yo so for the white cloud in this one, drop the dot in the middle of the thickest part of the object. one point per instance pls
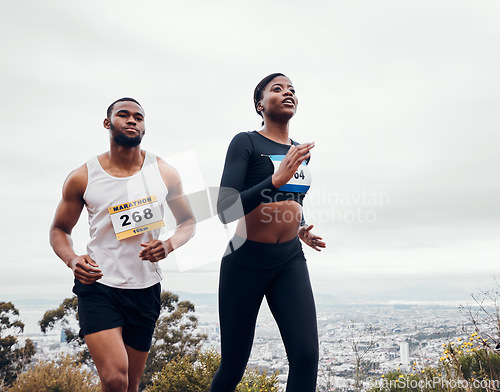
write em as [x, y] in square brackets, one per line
[401, 99]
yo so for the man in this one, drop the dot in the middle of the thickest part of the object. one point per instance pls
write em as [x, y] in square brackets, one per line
[117, 282]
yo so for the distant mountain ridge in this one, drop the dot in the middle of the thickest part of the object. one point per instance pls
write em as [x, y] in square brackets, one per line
[415, 293]
[36, 302]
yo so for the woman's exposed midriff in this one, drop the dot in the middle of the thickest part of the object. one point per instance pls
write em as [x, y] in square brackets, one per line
[271, 222]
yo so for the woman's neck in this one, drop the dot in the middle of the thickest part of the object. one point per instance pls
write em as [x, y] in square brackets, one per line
[276, 131]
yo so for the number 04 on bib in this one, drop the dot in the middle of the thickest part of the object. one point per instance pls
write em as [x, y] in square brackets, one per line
[136, 217]
[300, 181]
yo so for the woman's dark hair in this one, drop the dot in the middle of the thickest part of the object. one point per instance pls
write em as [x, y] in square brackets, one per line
[257, 94]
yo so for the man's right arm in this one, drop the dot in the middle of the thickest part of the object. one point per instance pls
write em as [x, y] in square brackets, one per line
[66, 216]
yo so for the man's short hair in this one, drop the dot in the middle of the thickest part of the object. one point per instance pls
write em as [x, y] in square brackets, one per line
[110, 108]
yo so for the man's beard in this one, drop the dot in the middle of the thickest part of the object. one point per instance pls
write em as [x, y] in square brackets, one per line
[125, 141]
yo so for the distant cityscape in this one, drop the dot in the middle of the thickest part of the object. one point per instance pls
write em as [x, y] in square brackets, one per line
[389, 336]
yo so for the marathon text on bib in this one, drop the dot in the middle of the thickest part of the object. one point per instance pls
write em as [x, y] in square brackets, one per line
[136, 217]
[301, 180]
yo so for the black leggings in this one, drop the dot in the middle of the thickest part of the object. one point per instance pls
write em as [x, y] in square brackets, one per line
[279, 272]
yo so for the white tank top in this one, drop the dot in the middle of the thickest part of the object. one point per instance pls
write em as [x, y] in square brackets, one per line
[124, 206]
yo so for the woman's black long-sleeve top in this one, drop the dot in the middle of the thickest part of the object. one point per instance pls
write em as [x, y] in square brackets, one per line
[246, 180]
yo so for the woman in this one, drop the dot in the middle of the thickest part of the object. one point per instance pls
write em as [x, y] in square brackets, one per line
[264, 181]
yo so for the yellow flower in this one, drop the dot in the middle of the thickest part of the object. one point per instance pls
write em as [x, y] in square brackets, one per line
[459, 339]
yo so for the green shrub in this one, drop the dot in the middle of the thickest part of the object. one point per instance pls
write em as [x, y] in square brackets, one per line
[62, 375]
[466, 365]
[182, 374]
[471, 359]
[255, 381]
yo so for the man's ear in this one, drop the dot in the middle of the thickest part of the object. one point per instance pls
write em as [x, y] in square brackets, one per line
[106, 123]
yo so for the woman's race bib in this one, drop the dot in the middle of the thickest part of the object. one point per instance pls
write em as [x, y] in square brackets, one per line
[301, 180]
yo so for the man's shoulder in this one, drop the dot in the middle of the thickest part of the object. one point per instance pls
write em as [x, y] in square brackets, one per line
[165, 167]
[79, 173]
[168, 173]
[76, 182]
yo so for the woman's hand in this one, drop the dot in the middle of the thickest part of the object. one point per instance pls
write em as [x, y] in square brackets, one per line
[290, 163]
[311, 239]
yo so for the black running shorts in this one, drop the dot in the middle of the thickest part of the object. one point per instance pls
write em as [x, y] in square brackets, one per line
[102, 307]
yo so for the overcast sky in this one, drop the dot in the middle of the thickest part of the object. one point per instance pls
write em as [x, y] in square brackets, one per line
[401, 98]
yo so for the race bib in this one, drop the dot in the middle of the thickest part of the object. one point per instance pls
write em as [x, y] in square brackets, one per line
[301, 180]
[136, 217]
